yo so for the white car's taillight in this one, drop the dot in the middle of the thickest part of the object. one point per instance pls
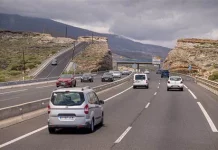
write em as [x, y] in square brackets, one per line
[168, 82]
[49, 109]
[86, 109]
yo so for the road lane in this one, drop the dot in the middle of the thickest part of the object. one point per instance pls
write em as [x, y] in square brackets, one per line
[55, 71]
[36, 93]
[35, 123]
[173, 121]
[119, 113]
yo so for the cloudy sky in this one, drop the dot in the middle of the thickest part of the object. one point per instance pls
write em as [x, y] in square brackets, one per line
[158, 22]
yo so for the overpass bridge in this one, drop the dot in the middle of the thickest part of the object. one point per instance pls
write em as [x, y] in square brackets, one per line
[116, 63]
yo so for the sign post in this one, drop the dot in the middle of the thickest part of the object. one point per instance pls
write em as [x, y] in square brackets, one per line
[74, 68]
[189, 68]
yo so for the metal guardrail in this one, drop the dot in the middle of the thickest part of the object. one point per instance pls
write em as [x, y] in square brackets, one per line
[208, 84]
[21, 109]
[26, 81]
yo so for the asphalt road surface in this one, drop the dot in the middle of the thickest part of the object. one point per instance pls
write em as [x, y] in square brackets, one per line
[63, 60]
[15, 96]
[135, 119]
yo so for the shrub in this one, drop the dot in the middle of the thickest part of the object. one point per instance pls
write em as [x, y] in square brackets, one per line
[30, 65]
[16, 66]
[214, 76]
[2, 78]
[14, 72]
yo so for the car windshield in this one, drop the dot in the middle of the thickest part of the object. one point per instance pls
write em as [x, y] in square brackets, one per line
[67, 98]
[165, 71]
[175, 78]
[87, 74]
[66, 76]
[107, 74]
[140, 77]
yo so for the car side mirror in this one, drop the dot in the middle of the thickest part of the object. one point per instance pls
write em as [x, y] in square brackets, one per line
[101, 102]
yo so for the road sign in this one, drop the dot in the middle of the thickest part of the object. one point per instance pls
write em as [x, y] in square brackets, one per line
[190, 67]
[156, 60]
[134, 66]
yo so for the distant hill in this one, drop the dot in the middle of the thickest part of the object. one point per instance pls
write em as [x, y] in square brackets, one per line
[117, 44]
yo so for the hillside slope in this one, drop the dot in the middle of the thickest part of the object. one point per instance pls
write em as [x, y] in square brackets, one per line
[96, 57]
[36, 47]
[117, 44]
[201, 54]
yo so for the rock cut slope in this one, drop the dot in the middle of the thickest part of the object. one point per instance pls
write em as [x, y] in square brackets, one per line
[201, 54]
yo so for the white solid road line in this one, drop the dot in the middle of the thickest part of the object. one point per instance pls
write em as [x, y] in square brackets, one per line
[185, 86]
[155, 93]
[147, 105]
[23, 136]
[13, 91]
[209, 120]
[159, 82]
[118, 94]
[192, 94]
[122, 135]
[8, 99]
[44, 86]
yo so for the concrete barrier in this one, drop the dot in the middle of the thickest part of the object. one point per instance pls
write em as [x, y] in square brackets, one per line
[21, 109]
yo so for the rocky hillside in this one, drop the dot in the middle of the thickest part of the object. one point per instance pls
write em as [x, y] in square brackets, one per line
[201, 54]
[36, 47]
[96, 57]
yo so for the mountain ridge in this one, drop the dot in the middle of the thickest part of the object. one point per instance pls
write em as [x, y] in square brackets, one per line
[117, 44]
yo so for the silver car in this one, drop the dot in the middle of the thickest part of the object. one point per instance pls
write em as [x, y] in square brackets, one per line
[117, 74]
[74, 107]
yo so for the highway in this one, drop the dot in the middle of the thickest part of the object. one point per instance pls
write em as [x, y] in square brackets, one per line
[135, 119]
[63, 59]
[15, 96]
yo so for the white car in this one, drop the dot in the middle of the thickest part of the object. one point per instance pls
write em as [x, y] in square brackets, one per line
[117, 74]
[140, 80]
[175, 82]
[147, 72]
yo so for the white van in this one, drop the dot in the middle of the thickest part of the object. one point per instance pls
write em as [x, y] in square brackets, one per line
[140, 80]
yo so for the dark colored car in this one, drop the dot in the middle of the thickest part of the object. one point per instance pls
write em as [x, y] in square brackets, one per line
[165, 74]
[158, 71]
[66, 80]
[107, 77]
[87, 77]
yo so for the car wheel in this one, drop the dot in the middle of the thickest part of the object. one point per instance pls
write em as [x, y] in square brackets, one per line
[134, 87]
[148, 87]
[81, 80]
[102, 80]
[168, 89]
[51, 130]
[74, 84]
[102, 120]
[92, 126]
[181, 89]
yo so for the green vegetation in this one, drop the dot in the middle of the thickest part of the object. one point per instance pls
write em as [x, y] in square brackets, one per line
[12, 48]
[214, 76]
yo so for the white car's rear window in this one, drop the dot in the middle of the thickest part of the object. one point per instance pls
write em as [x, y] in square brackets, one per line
[140, 77]
[67, 98]
[175, 78]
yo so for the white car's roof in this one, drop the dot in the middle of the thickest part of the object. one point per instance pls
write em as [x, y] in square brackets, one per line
[76, 89]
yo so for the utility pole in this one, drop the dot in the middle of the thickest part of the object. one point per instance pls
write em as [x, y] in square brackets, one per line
[92, 37]
[66, 31]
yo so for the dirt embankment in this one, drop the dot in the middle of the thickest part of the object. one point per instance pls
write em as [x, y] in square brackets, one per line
[201, 54]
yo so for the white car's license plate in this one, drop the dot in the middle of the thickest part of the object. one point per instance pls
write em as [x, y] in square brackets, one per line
[106, 79]
[66, 118]
[62, 83]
